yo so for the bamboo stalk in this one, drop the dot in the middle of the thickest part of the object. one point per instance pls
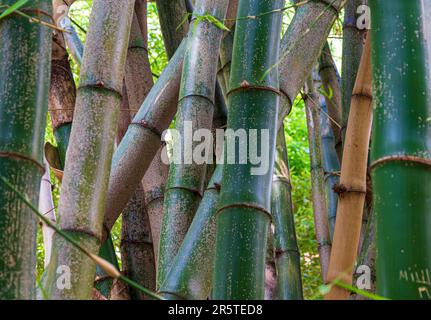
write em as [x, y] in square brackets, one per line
[137, 250]
[352, 187]
[287, 257]
[302, 44]
[185, 184]
[353, 45]
[82, 203]
[320, 211]
[401, 150]
[25, 55]
[143, 138]
[244, 213]
[174, 28]
[190, 276]
[331, 85]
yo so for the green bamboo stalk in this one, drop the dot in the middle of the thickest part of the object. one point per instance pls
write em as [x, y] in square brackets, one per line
[82, 203]
[401, 151]
[243, 214]
[190, 276]
[320, 211]
[25, 55]
[353, 45]
[143, 138]
[287, 263]
[199, 267]
[174, 28]
[331, 86]
[185, 184]
[270, 271]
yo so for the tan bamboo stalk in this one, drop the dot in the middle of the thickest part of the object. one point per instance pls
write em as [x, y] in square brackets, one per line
[82, 202]
[320, 212]
[352, 187]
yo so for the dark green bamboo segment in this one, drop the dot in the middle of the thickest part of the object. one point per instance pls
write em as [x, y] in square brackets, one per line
[320, 211]
[302, 45]
[190, 276]
[25, 56]
[88, 161]
[331, 86]
[103, 282]
[401, 150]
[171, 15]
[353, 45]
[143, 138]
[243, 215]
[286, 251]
[185, 184]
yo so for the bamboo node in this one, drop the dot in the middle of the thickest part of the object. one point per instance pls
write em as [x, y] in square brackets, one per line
[146, 125]
[401, 158]
[341, 189]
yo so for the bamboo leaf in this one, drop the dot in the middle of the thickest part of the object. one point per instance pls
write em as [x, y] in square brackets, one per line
[17, 5]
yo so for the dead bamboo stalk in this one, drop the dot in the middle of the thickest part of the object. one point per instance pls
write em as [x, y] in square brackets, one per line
[352, 187]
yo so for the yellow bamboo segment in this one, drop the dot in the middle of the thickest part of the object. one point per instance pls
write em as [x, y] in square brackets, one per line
[352, 187]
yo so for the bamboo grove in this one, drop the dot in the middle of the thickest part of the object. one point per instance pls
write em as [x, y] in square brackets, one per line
[194, 162]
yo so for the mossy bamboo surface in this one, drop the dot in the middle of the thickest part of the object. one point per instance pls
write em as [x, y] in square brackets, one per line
[25, 57]
[353, 45]
[286, 251]
[185, 183]
[320, 212]
[331, 86]
[243, 215]
[88, 161]
[401, 148]
[353, 184]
